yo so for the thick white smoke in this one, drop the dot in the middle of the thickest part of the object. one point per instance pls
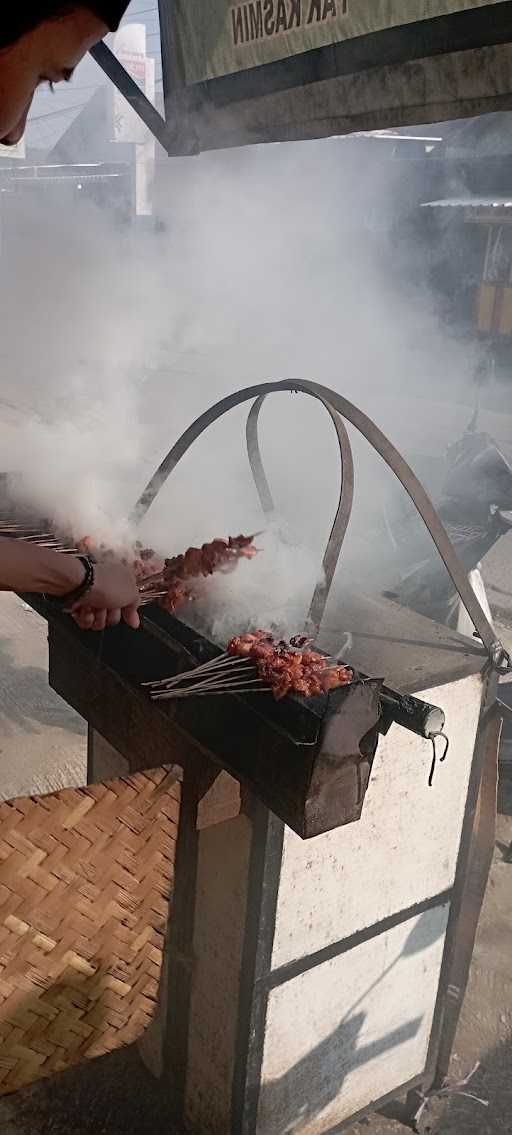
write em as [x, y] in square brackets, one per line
[271, 262]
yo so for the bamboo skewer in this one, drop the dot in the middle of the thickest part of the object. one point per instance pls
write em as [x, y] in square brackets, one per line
[213, 693]
[224, 660]
[235, 686]
[225, 666]
[225, 673]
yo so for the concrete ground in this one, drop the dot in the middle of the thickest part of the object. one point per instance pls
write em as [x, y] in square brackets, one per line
[42, 747]
[42, 741]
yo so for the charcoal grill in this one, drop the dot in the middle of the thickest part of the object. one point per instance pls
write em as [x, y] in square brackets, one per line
[268, 928]
[308, 760]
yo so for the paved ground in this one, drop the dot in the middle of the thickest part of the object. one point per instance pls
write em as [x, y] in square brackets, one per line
[42, 742]
[43, 747]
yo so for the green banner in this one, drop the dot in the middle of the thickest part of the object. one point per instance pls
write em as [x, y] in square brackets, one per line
[218, 37]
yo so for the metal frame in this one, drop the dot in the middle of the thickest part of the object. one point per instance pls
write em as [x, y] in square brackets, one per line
[473, 866]
[115, 71]
[443, 35]
[498, 657]
[343, 511]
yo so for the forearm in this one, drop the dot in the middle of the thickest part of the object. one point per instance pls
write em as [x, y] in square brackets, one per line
[24, 567]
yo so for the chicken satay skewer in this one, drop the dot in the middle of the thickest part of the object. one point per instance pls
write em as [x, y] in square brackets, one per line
[225, 661]
[255, 661]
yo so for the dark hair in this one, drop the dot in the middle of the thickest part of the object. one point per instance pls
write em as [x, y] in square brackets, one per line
[17, 21]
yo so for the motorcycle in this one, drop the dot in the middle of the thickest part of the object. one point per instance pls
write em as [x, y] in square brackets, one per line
[475, 506]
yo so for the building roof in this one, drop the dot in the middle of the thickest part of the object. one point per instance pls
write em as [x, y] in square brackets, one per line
[488, 136]
[470, 202]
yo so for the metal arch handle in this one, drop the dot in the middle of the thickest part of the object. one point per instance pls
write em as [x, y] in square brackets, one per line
[498, 656]
[343, 510]
[255, 460]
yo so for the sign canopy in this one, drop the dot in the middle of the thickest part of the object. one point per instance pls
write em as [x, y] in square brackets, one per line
[254, 71]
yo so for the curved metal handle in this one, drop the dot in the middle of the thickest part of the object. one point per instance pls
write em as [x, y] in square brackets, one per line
[343, 511]
[498, 656]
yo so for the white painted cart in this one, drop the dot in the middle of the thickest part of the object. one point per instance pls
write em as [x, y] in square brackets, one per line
[310, 980]
[307, 979]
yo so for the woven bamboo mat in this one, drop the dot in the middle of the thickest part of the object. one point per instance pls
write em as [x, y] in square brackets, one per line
[85, 880]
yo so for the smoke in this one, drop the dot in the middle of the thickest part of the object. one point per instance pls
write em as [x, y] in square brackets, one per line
[271, 591]
[269, 262]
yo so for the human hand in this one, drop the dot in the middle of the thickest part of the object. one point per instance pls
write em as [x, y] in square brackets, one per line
[113, 598]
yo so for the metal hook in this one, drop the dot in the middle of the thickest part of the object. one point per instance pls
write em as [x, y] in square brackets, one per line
[432, 738]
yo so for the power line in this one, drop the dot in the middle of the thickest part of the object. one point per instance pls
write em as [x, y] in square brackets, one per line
[55, 113]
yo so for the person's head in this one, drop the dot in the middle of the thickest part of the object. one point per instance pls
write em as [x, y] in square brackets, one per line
[43, 42]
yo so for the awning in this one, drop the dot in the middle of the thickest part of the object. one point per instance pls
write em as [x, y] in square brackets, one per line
[469, 203]
[278, 70]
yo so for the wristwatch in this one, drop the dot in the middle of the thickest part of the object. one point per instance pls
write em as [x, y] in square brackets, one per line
[72, 597]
